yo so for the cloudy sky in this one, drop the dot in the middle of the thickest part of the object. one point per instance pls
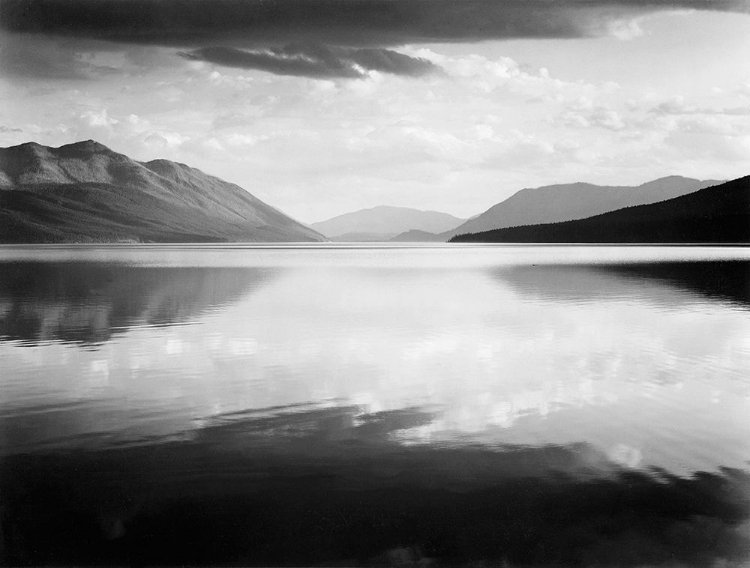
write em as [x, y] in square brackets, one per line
[321, 107]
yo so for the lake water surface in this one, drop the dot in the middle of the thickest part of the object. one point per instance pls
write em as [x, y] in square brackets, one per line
[349, 405]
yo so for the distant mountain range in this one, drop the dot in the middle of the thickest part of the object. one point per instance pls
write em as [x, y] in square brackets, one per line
[362, 237]
[555, 203]
[415, 236]
[718, 214]
[85, 192]
[384, 222]
[565, 202]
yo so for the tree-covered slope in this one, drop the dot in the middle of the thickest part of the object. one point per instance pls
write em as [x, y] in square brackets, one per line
[567, 202]
[718, 214]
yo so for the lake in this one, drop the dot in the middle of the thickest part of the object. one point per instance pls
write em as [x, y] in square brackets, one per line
[375, 405]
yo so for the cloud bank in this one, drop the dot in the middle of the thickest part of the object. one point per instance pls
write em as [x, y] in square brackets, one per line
[337, 22]
[326, 38]
[316, 60]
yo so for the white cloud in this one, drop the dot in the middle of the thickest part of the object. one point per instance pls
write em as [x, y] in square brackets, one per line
[595, 117]
[625, 29]
[97, 119]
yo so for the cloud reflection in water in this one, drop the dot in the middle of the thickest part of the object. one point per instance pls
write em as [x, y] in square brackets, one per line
[329, 485]
[324, 413]
[522, 354]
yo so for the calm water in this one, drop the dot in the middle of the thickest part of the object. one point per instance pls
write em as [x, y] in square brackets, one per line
[533, 406]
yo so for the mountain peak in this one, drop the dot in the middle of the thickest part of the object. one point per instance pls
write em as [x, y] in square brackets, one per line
[567, 202]
[665, 179]
[108, 196]
[87, 146]
[28, 145]
[386, 221]
[711, 214]
[28, 148]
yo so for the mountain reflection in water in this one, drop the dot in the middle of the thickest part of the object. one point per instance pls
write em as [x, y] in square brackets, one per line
[727, 281]
[89, 302]
[375, 407]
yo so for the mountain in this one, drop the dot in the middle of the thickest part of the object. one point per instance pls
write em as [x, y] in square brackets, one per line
[362, 237]
[85, 192]
[384, 222]
[555, 203]
[718, 214]
[415, 236]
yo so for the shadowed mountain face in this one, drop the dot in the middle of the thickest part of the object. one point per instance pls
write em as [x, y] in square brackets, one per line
[718, 214]
[85, 192]
[556, 203]
[330, 486]
[89, 303]
[383, 223]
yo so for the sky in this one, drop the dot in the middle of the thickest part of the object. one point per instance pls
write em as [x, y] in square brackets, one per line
[321, 107]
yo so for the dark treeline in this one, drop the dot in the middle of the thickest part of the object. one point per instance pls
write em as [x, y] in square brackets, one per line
[719, 214]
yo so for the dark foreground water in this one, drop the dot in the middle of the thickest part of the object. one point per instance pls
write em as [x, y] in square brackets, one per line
[484, 406]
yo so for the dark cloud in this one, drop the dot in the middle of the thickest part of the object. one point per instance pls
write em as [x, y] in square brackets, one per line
[257, 34]
[260, 23]
[51, 57]
[315, 60]
[41, 58]
[389, 61]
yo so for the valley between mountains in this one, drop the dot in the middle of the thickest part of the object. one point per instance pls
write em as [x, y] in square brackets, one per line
[85, 192]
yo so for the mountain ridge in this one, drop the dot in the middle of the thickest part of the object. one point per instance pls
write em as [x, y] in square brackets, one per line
[579, 200]
[385, 221]
[54, 194]
[718, 214]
